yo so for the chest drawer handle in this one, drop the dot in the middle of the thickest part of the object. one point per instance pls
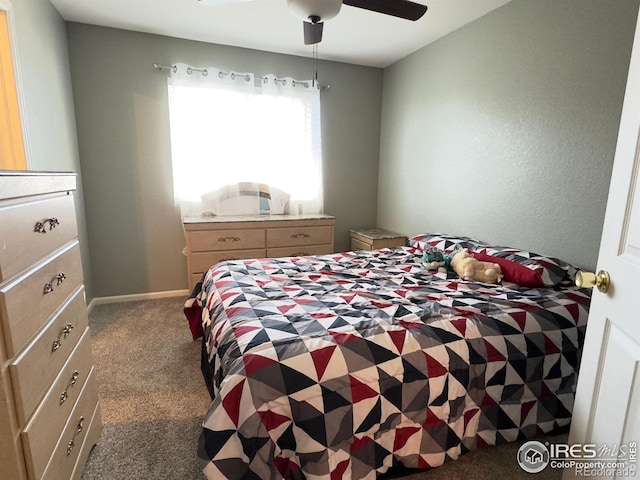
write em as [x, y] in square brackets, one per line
[41, 226]
[65, 395]
[66, 331]
[78, 431]
[300, 254]
[300, 235]
[229, 239]
[59, 278]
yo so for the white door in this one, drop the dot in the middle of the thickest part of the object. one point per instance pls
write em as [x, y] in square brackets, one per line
[607, 406]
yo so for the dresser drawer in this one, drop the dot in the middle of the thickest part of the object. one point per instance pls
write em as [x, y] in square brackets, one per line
[200, 262]
[22, 245]
[292, 236]
[240, 239]
[299, 251]
[26, 306]
[93, 435]
[83, 426]
[33, 372]
[53, 423]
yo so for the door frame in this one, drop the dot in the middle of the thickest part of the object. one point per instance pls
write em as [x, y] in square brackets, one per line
[7, 7]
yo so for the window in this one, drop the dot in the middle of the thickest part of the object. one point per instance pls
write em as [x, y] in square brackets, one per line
[227, 129]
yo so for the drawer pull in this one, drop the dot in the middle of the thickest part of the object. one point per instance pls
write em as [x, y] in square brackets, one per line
[67, 330]
[59, 278]
[300, 254]
[65, 333]
[78, 431]
[228, 259]
[65, 395]
[300, 235]
[229, 239]
[41, 226]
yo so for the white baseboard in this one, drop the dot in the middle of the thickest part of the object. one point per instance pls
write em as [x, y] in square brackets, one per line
[135, 297]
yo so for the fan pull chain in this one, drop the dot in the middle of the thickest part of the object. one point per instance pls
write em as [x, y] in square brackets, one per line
[315, 65]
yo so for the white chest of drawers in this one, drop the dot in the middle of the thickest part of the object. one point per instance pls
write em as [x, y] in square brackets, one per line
[213, 239]
[49, 410]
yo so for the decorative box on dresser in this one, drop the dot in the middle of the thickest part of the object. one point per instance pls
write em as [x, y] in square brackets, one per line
[213, 239]
[49, 410]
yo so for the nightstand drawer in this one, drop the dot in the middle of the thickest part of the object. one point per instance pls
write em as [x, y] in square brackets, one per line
[204, 241]
[359, 245]
[33, 372]
[293, 236]
[30, 300]
[30, 231]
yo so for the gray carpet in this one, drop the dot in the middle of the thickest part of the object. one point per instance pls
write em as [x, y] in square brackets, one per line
[153, 400]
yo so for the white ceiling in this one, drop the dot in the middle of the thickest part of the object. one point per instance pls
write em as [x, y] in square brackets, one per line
[355, 36]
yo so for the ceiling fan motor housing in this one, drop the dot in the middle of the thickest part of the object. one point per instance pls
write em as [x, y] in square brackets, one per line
[324, 9]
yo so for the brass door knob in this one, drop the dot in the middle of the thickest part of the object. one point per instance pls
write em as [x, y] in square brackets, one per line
[590, 279]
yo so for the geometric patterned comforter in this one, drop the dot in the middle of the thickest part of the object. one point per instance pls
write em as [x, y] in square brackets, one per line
[346, 365]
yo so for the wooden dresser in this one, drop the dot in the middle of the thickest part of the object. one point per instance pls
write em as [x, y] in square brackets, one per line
[49, 411]
[213, 239]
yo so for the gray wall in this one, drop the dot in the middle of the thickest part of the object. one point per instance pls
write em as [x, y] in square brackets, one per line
[505, 130]
[48, 102]
[136, 236]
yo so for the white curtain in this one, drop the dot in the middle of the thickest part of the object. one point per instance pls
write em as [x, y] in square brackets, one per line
[230, 128]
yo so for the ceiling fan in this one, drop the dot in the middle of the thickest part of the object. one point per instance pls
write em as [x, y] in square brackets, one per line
[315, 12]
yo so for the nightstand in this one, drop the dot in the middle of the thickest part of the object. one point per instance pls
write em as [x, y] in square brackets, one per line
[375, 238]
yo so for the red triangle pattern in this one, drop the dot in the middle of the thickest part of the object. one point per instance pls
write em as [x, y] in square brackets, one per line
[422, 463]
[253, 363]
[239, 331]
[358, 443]
[272, 420]
[231, 402]
[321, 359]
[574, 311]
[469, 414]
[360, 391]
[520, 318]
[286, 308]
[460, 324]
[343, 338]
[549, 346]
[398, 338]
[434, 367]
[432, 420]
[493, 355]
[402, 436]
[341, 469]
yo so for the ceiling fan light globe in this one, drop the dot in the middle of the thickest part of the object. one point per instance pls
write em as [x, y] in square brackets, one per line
[325, 9]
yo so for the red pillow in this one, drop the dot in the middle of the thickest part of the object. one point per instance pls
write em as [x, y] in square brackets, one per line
[512, 271]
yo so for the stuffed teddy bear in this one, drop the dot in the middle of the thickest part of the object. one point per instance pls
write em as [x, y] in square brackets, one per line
[468, 268]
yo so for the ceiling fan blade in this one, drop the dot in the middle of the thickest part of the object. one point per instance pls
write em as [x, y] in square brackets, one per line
[312, 32]
[396, 8]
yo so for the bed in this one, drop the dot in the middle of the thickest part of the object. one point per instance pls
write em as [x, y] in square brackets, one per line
[355, 364]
